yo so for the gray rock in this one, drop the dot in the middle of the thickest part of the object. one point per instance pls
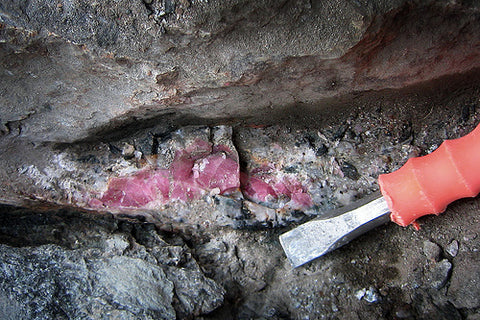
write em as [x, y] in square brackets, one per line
[10, 309]
[196, 294]
[438, 275]
[473, 316]
[71, 83]
[452, 248]
[432, 250]
[103, 279]
[133, 284]
[242, 67]
[49, 282]
[371, 295]
[116, 244]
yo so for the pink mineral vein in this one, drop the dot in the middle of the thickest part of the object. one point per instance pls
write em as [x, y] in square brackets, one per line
[268, 188]
[195, 171]
[257, 189]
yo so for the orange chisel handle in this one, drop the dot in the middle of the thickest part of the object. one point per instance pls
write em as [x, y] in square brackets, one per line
[426, 185]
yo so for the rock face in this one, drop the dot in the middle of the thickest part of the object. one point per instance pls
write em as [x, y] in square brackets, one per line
[64, 265]
[195, 263]
[74, 70]
[126, 282]
[206, 126]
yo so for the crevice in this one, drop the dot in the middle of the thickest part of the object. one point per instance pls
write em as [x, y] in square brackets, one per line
[148, 6]
[242, 162]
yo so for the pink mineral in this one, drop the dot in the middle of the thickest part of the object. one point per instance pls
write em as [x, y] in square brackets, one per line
[194, 172]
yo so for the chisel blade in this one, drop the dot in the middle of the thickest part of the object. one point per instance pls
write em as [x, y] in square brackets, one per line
[319, 236]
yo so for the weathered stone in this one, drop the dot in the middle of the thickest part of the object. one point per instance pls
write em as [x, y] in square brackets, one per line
[439, 274]
[196, 294]
[79, 79]
[62, 285]
[339, 48]
[107, 277]
[432, 250]
[134, 284]
[452, 248]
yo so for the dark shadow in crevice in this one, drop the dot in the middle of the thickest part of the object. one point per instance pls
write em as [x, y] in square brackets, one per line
[21, 227]
[417, 100]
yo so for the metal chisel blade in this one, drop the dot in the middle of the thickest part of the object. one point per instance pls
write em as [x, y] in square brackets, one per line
[319, 236]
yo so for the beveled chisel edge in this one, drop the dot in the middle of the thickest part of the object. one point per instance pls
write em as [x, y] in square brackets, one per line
[319, 236]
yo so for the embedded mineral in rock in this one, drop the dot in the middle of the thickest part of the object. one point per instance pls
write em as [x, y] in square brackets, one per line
[432, 250]
[282, 192]
[200, 168]
[452, 248]
[196, 161]
[137, 190]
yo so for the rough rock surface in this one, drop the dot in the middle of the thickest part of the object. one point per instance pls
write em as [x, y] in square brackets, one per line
[209, 127]
[88, 270]
[73, 70]
[217, 176]
[204, 263]
[68, 254]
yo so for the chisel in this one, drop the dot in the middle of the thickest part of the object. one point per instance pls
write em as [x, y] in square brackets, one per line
[423, 185]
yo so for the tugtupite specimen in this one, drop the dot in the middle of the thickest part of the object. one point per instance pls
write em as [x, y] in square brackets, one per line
[195, 171]
[202, 161]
